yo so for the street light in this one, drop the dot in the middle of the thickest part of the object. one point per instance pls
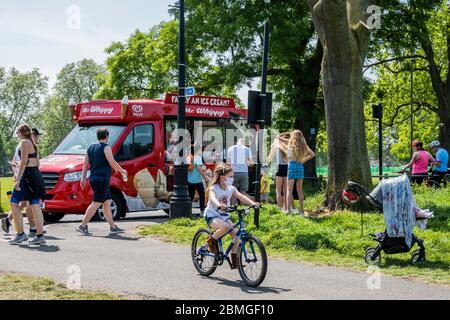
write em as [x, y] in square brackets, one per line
[413, 63]
[378, 114]
[180, 202]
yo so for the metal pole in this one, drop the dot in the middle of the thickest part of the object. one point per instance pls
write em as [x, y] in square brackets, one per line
[412, 106]
[263, 96]
[180, 202]
[380, 140]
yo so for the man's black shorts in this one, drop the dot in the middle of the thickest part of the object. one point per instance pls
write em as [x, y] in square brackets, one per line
[100, 187]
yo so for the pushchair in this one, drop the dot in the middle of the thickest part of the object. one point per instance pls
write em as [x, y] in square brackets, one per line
[387, 244]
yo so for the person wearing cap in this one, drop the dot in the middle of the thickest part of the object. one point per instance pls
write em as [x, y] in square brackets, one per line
[440, 168]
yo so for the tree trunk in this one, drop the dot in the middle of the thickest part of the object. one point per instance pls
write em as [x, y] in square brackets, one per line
[444, 129]
[345, 41]
[310, 114]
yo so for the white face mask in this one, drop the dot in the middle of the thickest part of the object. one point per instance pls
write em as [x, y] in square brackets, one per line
[229, 181]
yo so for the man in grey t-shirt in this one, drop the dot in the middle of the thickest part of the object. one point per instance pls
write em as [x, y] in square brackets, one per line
[240, 157]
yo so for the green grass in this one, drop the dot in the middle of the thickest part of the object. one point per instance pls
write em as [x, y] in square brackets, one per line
[336, 239]
[6, 184]
[19, 287]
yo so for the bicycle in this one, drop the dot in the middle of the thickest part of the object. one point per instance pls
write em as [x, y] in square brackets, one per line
[428, 180]
[252, 257]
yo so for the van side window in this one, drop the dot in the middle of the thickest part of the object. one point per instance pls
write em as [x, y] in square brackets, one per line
[138, 143]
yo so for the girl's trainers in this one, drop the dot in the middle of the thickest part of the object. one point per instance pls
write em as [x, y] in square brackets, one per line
[115, 230]
[5, 225]
[84, 231]
[19, 238]
[37, 241]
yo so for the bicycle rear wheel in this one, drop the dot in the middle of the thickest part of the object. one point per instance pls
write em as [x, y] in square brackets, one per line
[252, 261]
[204, 261]
[432, 184]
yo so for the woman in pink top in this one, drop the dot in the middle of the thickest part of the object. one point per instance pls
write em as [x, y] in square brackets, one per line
[419, 163]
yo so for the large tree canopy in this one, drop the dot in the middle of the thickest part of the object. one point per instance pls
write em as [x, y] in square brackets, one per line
[232, 31]
[145, 65]
[419, 29]
[21, 95]
[224, 51]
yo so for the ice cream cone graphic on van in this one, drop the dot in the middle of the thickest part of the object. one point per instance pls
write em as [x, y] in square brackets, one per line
[161, 187]
[124, 107]
[145, 186]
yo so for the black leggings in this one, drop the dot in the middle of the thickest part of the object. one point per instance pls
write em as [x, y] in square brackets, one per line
[201, 193]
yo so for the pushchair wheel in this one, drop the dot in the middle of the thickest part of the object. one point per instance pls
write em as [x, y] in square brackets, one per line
[369, 257]
[417, 257]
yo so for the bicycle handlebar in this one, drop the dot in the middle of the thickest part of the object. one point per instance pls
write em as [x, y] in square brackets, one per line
[236, 209]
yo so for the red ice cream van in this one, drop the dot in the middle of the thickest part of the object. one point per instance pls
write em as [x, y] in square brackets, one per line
[141, 137]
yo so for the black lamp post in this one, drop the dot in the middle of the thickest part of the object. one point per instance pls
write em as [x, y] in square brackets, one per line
[180, 202]
[378, 114]
[264, 109]
[413, 62]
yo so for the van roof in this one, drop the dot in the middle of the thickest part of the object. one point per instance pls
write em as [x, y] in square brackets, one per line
[156, 109]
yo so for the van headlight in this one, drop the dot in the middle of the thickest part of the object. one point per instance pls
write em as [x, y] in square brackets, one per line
[75, 176]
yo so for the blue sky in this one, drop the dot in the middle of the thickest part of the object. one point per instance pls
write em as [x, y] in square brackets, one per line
[44, 34]
[47, 34]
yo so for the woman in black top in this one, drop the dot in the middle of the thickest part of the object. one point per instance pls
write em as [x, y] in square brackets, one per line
[101, 160]
[29, 186]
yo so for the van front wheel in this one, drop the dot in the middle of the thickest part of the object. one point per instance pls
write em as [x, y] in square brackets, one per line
[117, 209]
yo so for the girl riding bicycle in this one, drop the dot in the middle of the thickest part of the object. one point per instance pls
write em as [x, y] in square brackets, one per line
[221, 191]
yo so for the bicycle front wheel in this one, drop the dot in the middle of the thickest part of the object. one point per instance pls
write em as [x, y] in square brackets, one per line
[252, 261]
[204, 261]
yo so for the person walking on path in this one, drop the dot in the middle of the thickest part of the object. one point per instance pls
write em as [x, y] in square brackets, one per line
[195, 174]
[298, 153]
[100, 159]
[419, 163]
[440, 168]
[240, 158]
[278, 153]
[15, 164]
[29, 186]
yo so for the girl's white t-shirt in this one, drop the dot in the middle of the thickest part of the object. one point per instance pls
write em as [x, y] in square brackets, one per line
[16, 158]
[224, 197]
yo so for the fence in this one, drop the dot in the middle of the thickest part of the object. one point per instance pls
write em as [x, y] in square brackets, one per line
[323, 171]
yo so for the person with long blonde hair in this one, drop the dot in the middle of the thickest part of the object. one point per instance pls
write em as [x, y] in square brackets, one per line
[298, 153]
[278, 152]
[220, 192]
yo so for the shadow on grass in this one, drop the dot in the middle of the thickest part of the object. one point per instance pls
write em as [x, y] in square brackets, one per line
[313, 242]
[432, 265]
[241, 285]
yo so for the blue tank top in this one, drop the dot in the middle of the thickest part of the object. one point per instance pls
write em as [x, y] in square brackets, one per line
[99, 165]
